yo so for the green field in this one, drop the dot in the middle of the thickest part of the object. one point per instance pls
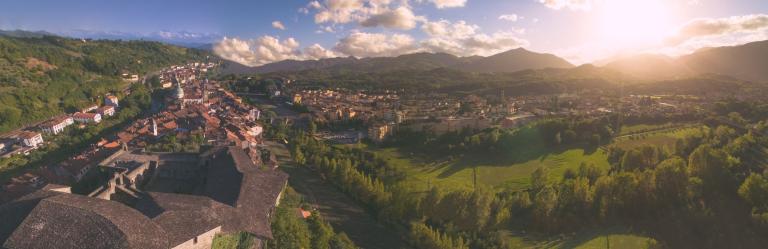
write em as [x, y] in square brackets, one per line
[665, 137]
[638, 128]
[509, 170]
[611, 238]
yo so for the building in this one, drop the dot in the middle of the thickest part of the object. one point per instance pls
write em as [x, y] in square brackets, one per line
[237, 196]
[297, 99]
[82, 117]
[254, 114]
[106, 111]
[378, 132]
[30, 138]
[111, 100]
[56, 125]
[179, 92]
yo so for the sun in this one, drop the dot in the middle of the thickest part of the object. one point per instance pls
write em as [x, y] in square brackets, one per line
[632, 24]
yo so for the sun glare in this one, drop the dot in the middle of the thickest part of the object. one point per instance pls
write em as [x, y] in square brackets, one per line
[632, 24]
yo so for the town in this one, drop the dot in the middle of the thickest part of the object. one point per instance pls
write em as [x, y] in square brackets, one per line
[152, 199]
[376, 115]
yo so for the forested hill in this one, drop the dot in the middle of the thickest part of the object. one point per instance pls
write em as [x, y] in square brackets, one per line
[44, 76]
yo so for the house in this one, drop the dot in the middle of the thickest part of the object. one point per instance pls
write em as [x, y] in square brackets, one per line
[56, 125]
[82, 117]
[30, 138]
[111, 100]
[106, 111]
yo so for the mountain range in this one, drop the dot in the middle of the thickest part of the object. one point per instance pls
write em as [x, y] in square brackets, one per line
[509, 61]
[746, 62]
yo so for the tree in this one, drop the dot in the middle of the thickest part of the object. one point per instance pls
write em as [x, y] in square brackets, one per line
[422, 236]
[712, 166]
[672, 180]
[322, 233]
[632, 160]
[298, 156]
[289, 231]
[9, 116]
[538, 179]
[754, 190]
[312, 127]
[342, 241]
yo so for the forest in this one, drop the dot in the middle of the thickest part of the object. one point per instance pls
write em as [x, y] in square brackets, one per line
[709, 190]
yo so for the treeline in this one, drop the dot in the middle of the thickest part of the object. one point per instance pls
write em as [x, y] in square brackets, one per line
[43, 77]
[554, 133]
[593, 131]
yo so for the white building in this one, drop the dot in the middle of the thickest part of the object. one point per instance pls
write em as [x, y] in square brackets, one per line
[82, 117]
[106, 111]
[56, 125]
[31, 139]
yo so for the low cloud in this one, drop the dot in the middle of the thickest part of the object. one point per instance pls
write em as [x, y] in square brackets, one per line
[361, 44]
[278, 25]
[463, 39]
[266, 49]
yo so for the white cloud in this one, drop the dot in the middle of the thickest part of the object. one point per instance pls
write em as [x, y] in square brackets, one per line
[460, 29]
[278, 25]
[316, 51]
[510, 17]
[463, 39]
[266, 49]
[711, 27]
[361, 44]
[568, 4]
[399, 18]
[441, 4]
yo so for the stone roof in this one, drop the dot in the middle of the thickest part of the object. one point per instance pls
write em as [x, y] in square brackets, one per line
[13, 214]
[234, 180]
[74, 221]
[183, 216]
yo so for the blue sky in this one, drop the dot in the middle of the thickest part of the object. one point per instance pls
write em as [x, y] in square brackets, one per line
[579, 30]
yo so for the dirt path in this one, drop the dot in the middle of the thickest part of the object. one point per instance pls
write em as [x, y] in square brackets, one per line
[344, 214]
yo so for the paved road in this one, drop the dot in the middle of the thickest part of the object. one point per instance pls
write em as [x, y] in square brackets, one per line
[344, 214]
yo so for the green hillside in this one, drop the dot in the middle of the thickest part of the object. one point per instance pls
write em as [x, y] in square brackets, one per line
[42, 77]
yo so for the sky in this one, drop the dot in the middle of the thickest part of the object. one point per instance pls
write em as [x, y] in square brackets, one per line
[256, 32]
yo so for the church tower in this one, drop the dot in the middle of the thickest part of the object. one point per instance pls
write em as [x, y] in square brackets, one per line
[154, 128]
